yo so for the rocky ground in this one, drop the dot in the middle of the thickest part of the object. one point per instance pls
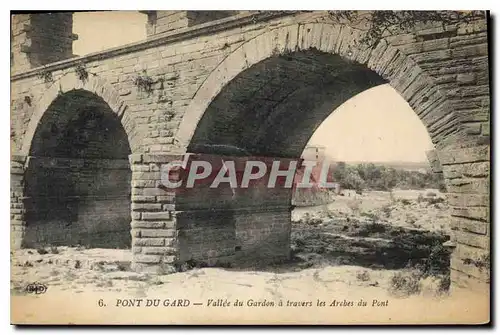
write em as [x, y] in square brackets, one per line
[375, 244]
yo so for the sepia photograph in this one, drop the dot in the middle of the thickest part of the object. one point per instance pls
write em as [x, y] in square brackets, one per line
[250, 167]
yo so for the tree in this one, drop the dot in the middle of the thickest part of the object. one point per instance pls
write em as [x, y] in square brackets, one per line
[339, 172]
[353, 180]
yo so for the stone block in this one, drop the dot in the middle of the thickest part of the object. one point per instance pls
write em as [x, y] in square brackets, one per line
[142, 198]
[473, 226]
[159, 251]
[144, 207]
[156, 216]
[477, 213]
[147, 224]
[158, 232]
[143, 183]
[161, 158]
[470, 239]
[135, 158]
[147, 258]
[468, 200]
[464, 155]
[148, 242]
[140, 168]
[146, 175]
[135, 233]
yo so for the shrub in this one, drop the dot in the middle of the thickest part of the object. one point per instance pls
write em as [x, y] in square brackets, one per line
[405, 201]
[444, 284]
[363, 276]
[354, 205]
[405, 283]
[42, 251]
[371, 216]
[481, 263]
[371, 228]
[310, 220]
[387, 209]
[392, 197]
[433, 201]
[411, 218]
[144, 83]
[438, 261]
[81, 72]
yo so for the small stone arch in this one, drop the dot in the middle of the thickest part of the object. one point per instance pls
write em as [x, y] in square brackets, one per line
[401, 72]
[76, 184]
[69, 82]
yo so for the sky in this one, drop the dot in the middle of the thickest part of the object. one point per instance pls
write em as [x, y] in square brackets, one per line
[99, 31]
[376, 125]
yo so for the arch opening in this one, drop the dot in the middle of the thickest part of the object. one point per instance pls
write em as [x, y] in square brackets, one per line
[388, 209]
[78, 176]
[375, 130]
[271, 110]
[274, 107]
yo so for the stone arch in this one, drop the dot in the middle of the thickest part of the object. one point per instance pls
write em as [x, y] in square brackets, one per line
[77, 179]
[399, 70]
[70, 82]
[245, 82]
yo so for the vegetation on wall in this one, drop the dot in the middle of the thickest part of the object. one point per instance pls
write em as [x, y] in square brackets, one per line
[81, 72]
[144, 83]
[46, 76]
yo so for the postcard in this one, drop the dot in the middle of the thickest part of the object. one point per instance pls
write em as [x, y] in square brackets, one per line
[250, 167]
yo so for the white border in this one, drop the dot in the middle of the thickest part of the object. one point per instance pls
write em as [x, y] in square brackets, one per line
[492, 5]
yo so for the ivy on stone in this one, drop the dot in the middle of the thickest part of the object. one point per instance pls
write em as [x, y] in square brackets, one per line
[46, 75]
[81, 72]
[144, 83]
[378, 24]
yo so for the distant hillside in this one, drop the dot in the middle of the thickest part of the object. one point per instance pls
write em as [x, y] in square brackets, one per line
[384, 176]
[408, 166]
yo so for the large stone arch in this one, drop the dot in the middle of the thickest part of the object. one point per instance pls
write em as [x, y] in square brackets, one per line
[456, 153]
[70, 82]
[391, 64]
[74, 171]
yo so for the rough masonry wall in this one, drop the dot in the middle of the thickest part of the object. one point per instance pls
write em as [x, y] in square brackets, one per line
[237, 226]
[77, 179]
[178, 69]
[154, 222]
[162, 21]
[74, 202]
[467, 171]
[453, 60]
[263, 235]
